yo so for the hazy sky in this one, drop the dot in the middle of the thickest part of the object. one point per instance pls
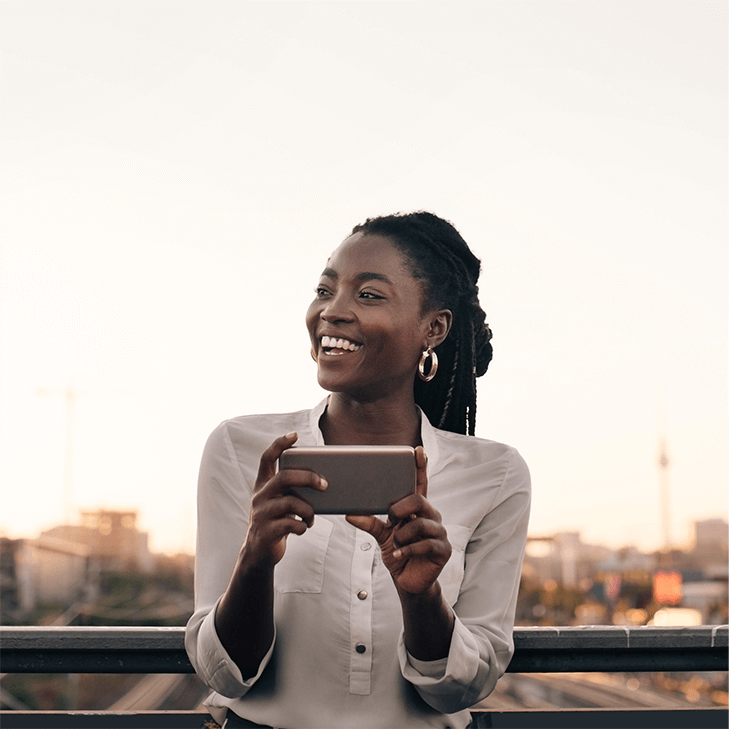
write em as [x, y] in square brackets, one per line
[174, 175]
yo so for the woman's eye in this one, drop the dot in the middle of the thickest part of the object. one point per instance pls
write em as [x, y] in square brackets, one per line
[370, 295]
[321, 291]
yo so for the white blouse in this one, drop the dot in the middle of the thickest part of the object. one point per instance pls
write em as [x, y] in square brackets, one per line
[338, 659]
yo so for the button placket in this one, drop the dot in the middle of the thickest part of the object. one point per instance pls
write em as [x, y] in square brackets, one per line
[361, 614]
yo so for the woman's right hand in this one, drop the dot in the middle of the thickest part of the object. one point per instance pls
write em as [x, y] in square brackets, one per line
[274, 513]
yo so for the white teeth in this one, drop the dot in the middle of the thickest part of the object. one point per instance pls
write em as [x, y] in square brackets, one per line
[333, 343]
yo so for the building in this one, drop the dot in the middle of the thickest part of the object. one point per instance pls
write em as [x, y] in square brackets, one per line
[40, 571]
[706, 589]
[563, 558]
[711, 537]
[111, 537]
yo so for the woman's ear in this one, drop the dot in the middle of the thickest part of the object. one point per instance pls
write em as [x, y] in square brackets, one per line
[440, 324]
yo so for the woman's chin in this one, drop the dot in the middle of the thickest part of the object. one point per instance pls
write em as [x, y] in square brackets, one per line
[332, 384]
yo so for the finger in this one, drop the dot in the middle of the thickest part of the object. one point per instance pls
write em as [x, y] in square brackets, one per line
[273, 500]
[421, 471]
[410, 531]
[267, 465]
[414, 504]
[294, 478]
[435, 550]
[288, 525]
[289, 506]
[370, 524]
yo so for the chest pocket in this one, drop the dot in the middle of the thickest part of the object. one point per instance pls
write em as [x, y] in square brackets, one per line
[452, 575]
[302, 566]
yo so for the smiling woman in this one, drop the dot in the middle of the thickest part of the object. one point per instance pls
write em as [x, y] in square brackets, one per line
[367, 297]
[305, 620]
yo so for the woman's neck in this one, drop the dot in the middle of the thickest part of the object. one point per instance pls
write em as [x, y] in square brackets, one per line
[350, 422]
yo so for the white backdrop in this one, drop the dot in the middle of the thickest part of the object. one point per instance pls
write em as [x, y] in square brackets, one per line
[175, 175]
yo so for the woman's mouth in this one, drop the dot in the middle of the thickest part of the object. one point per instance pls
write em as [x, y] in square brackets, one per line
[334, 346]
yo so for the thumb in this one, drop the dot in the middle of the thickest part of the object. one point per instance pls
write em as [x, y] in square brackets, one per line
[370, 524]
[269, 458]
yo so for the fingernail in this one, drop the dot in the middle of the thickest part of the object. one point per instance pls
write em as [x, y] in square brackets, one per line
[397, 553]
[323, 484]
[292, 434]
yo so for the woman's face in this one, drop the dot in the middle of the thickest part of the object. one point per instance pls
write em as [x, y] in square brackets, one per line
[365, 322]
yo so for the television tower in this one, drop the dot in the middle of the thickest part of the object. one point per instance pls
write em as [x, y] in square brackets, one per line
[665, 495]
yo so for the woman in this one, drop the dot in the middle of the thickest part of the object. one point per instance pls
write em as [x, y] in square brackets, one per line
[357, 621]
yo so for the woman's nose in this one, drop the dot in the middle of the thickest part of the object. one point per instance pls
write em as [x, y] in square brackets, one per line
[337, 309]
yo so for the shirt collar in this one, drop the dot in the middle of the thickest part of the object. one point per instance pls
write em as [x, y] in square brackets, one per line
[427, 434]
[314, 417]
[430, 443]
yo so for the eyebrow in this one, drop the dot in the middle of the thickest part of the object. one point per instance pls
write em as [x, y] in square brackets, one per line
[364, 276]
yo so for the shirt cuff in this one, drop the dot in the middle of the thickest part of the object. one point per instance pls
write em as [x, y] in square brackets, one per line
[460, 666]
[223, 674]
[431, 669]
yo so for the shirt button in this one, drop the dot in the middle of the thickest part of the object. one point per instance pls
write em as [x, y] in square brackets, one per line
[362, 594]
[365, 546]
[360, 648]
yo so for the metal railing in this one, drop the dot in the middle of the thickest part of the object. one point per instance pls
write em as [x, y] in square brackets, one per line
[537, 650]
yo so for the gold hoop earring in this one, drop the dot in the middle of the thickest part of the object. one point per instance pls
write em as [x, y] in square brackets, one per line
[428, 354]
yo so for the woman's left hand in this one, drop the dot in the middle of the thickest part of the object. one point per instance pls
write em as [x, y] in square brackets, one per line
[413, 540]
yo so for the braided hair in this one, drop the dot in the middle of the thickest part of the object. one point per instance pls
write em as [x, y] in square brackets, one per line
[438, 256]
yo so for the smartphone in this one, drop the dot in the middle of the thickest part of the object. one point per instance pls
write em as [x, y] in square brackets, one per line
[362, 479]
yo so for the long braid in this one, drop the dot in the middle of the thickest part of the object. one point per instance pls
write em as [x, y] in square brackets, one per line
[449, 395]
[439, 256]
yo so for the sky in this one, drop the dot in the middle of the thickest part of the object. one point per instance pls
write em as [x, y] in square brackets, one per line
[175, 174]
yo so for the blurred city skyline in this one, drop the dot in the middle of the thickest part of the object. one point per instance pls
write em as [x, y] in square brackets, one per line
[176, 175]
[101, 573]
[66, 528]
[180, 536]
[62, 567]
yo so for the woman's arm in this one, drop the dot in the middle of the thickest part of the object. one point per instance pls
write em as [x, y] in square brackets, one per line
[475, 636]
[481, 644]
[415, 548]
[244, 618]
[427, 624]
[235, 622]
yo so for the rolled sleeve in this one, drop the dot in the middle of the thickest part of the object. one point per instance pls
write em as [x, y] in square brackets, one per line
[449, 684]
[213, 663]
